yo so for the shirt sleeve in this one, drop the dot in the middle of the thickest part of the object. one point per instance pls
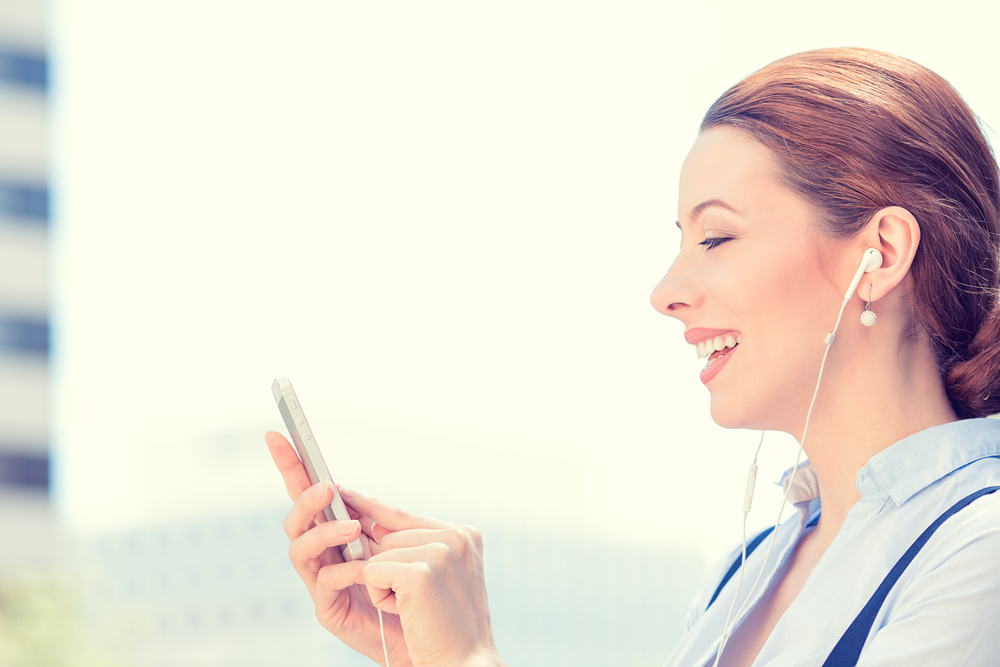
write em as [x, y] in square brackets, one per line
[949, 610]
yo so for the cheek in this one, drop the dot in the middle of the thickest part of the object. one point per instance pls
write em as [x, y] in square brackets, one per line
[787, 313]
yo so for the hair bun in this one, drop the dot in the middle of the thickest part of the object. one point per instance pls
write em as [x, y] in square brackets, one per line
[974, 383]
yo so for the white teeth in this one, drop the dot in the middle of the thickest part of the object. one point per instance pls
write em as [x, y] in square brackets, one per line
[707, 347]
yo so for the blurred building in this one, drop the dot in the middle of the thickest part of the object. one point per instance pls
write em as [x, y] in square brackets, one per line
[205, 579]
[25, 515]
[223, 592]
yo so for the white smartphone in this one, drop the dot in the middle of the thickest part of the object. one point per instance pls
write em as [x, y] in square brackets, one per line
[312, 458]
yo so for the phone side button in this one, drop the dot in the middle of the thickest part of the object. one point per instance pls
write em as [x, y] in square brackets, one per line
[306, 435]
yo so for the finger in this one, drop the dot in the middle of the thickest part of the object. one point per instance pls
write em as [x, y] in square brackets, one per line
[378, 579]
[432, 553]
[314, 542]
[374, 531]
[378, 533]
[386, 580]
[309, 503]
[369, 543]
[291, 469]
[401, 539]
[386, 515]
[371, 546]
[332, 579]
[370, 528]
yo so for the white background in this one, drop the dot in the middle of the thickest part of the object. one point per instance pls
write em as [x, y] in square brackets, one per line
[441, 220]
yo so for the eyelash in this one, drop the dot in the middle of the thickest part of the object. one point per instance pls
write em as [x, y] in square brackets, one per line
[715, 242]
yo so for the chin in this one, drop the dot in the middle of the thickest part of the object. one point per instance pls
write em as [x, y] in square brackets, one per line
[735, 411]
[728, 412]
[725, 416]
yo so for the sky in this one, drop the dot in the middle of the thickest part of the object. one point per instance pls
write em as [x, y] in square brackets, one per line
[441, 220]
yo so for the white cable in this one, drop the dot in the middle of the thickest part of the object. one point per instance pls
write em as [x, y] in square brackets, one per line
[747, 499]
[774, 533]
[381, 627]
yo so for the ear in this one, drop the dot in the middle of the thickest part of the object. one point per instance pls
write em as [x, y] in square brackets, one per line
[895, 233]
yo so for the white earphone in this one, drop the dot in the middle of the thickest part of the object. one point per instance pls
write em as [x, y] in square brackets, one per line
[871, 260]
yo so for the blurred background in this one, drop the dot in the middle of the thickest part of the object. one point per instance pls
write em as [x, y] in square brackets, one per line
[442, 221]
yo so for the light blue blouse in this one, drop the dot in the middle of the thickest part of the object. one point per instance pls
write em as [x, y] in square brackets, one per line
[944, 610]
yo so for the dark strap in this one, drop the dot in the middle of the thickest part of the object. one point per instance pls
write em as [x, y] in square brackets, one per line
[848, 649]
[735, 567]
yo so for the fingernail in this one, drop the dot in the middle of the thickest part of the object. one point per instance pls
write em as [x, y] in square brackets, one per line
[347, 527]
[374, 526]
[321, 488]
[348, 493]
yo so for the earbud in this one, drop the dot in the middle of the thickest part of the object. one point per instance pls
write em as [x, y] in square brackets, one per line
[871, 260]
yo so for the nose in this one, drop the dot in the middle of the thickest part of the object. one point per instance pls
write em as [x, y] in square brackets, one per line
[677, 293]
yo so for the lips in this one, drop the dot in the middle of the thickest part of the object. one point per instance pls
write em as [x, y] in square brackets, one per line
[715, 362]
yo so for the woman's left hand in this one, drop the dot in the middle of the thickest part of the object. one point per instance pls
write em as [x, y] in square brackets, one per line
[430, 573]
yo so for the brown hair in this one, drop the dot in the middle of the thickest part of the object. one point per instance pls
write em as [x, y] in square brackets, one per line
[858, 130]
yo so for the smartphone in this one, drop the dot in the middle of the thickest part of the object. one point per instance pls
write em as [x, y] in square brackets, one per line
[312, 458]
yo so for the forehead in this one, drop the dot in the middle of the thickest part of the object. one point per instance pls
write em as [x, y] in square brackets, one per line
[728, 165]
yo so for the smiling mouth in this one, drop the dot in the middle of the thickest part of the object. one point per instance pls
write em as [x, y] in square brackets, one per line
[718, 347]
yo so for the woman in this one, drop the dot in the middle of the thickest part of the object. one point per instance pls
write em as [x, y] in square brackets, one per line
[797, 172]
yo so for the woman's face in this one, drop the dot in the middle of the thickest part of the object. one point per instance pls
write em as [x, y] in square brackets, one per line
[752, 268]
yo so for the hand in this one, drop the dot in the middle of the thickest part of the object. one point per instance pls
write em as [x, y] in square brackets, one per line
[427, 574]
[430, 573]
[337, 588]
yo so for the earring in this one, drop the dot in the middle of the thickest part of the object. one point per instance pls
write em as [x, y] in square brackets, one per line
[868, 318]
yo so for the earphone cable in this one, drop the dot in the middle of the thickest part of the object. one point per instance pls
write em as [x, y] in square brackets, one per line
[381, 627]
[791, 481]
[751, 479]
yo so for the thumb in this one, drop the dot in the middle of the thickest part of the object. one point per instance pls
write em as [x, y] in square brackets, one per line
[379, 579]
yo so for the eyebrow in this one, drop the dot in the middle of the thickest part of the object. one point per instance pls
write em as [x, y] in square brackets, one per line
[697, 210]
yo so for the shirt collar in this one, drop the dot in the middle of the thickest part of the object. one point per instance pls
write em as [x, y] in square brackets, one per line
[908, 466]
[804, 491]
[917, 461]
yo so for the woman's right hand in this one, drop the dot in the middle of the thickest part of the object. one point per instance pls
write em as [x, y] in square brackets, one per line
[337, 588]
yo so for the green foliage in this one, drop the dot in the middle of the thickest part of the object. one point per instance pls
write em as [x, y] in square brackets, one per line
[40, 626]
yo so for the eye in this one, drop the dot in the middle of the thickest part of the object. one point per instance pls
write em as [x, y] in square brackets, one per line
[715, 241]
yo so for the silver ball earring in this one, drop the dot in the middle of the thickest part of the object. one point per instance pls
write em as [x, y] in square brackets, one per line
[868, 318]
